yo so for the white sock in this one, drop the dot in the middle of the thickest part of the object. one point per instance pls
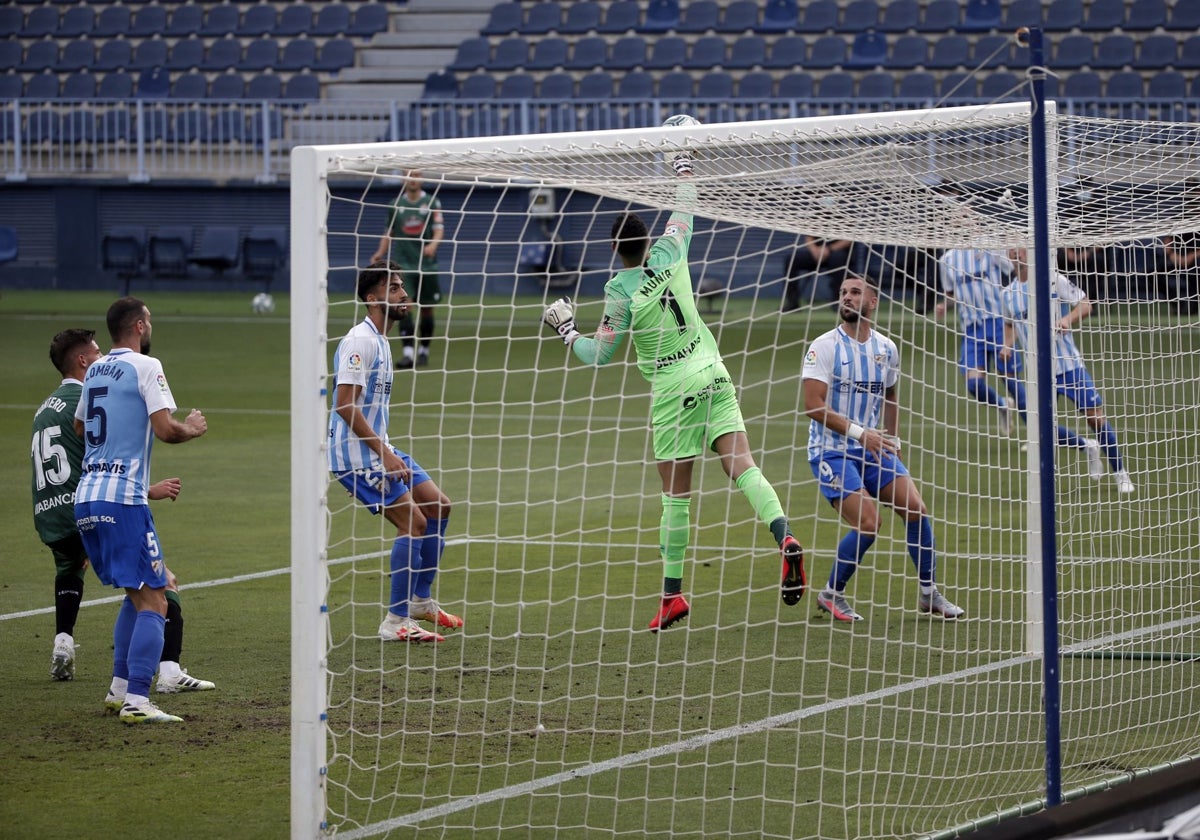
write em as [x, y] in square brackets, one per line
[169, 670]
[408, 352]
[136, 700]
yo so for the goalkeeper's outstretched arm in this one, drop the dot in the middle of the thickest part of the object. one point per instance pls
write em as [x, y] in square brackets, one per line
[595, 350]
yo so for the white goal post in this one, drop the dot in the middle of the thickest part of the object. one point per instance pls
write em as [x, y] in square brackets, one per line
[554, 712]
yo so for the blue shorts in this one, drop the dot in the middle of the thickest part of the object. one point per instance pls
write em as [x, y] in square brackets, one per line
[981, 349]
[377, 492]
[122, 544]
[841, 474]
[1077, 386]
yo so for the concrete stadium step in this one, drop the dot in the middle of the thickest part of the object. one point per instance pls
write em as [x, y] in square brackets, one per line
[418, 60]
[369, 90]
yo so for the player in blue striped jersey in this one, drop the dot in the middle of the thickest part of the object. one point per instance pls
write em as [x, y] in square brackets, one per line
[126, 403]
[850, 379]
[1069, 306]
[973, 283]
[378, 474]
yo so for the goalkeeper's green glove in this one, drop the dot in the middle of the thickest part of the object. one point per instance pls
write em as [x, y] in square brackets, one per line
[560, 317]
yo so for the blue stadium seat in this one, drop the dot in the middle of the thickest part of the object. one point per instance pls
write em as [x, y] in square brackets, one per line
[940, 16]
[581, 17]
[1184, 17]
[76, 22]
[622, 16]
[148, 21]
[169, 248]
[779, 16]
[43, 85]
[958, 87]
[478, 86]
[227, 125]
[114, 54]
[298, 54]
[747, 52]
[295, 19]
[757, 85]
[149, 54]
[264, 252]
[1004, 86]
[1074, 52]
[596, 85]
[557, 117]
[219, 248]
[223, 54]
[43, 127]
[1156, 52]
[796, 85]
[628, 52]
[921, 86]
[542, 18]
[504, 19]
[191, 126]
[10, 57]
[1063, 15]
[1146, 15]
[950, 51]
[114, 126]
[228, 85]
[336, 54]
[788, 51]
[1127, 85]
[877, 85]
[122, 250]
[636, 86]
[303, 86]
[12, 86]
[699, 16]
[12, 20]
[900, 16]
[818, 16]
[185, 21]
[1104, 16]
[261, 54]
[992, 52]
[706, 53]
[80, 85]
[740, 16]
[264, 86]
[510, 54]
[1022, 13]
[40, 22]
[41, 55]
[332, 19]
[668, 52]
[557, 86]
[1169, 84]
[981, 16]
[517, 86]
[473, 53]
[590, 53]
[257, 21]
[828, 51]
[908, 53]
[1082, 85]
[869, 49]
[661, 16]
[860, 16]
[154, 83]
[549, 53]
[192, 85]
[838, 86]
[1114, 52]
[675, 85]
[220, 20]
[76, 55]
[369, 19]
[116, 85]
[715, 85]
[186, 55]
[1189, 54]
[264, 125]
[9, 249]
[601, 117]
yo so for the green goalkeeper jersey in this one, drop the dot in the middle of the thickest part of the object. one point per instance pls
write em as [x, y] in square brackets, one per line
[57, 455]
[656, 304]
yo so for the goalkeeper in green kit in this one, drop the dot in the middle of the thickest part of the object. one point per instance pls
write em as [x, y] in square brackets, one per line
[695, 406]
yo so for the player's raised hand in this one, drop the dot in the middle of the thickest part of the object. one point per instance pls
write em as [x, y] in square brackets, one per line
[682, 164]
[560, 317]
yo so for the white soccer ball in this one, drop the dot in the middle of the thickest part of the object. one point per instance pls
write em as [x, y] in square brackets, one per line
[263, 303]
[680, 119]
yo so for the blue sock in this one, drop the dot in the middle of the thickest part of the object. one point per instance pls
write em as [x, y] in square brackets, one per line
[1107, 437]
[432, 546]
[122, 632]
[978, 388]
[1066, 437]
[145, 649]
[850, 551]
[919, 539]
[401, 564]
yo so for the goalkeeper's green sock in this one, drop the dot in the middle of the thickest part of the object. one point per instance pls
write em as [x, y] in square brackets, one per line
[673, 531]
[764, 500]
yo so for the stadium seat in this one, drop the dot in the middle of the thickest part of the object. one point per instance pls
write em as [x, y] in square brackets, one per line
[40, 56]
[264, 124]
[115, 54]
[1022, 13]
[40, 22]
[227, 125]
[510, 54]
[186, 55]
[369, 19]
[505, 19]
[601, 117]
[298, 54]
[1004, 86]
[472, 54]
[795, 86]
[76, 22]
[1146, 15]
[919, 86]
[740, 16]
[185, 21]
[622, 16]
[747, 52]
[1156, 52]
[779, 16]
[154, 124]
[662, 15]
[940, 16]
[154, 83]
[478, 86]
[860, 16]
[122, 250]
[440, 85]
[549, 53]
[264, 252]
[336, 54]
[295, 19]
[12, 20]
[1114, 52]
[957, 87]
[1127, 85]
[192, 85]
[542, 18]
[991, 52]
[12, 86]
[981, 16]
[80, 85]
[557, 117]
[668, 52]
[43, 126]
[258, 20]
[223, 54]
[218, 250]
[303, 86]
[818, 16]
[557, 86]
[596, 85]
[1184, 17]
[900, 16]
[1063, 15]
[228, 85]
[706, 53]
[908, 53]
[715, 85]
[628, 52]
[1074, 52]
[676, 85]
[869, 49]
[42, 85]
[264, 86]
[591, 53]
[149, 54]
[169, 249]
[191, 126]
[836, 86]
[9, 247]
[220, 20]
[113, 125]
[1169, 84]
[788, 52]
[148, 21]
[949, 52]
[1082, 85]
[332, 19]
[261, 54]
[1189, 54]
[757, 85]
[699, 16]
[877, 86]
[516, 86]
[636, 86]
[1104, 16]
[116, 85]
[581, 18]
[76, 55]
[827, 52]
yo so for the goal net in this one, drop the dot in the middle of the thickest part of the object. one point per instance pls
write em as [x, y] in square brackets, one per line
[554, 712]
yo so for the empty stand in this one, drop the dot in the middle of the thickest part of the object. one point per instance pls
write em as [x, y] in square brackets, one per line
[920, 85]
[40, 22]
[517, 86]
[122, 251]
[991, 52]
[113, 21]
[796, 85]
[76, 22]
[542, 18]
[261, 54]
[1003, 86]
[628, 52]
[827, 52]
[740, 16]
[218, 250]
[877, 86]
[1126, 85]
[302, 86]
[369, 19]
[185, 21]
[557, 86]
[622, 16]
[860, 16]
[638, 85]
[549, 53]
[1074, 52]
[949, 52]
[581, 17]
[1148, 15]
[336, 54]
[509, 54]
[668, 52]
[900, 16]
[264, 86]
[294, 19]
[223, 53]
[757, 85]
[44, 85]
[940, 16]
[505, 19]
[298, 54]
[114, 55]
[257, 21]
[787, 52]
[39, 56]
[76, 55]
[699, 16]
[591, 53]
[1114, 52]
[1104, 16]
[716, 85]
[818, 16]
[1156, 52]
[869, 49]
[186, 55]
[220, 20]
[169, 249]
[228, 85]
[1020, 13]
[596, 85]
[747, 52]
[779, 16]
[908, 53]
[981, 16]
[477, 86]
[472, 54]
[1184, 17]
[837, 86]
[118, 85]
[79, 86]
[264, 253]
[662, 15]
[706, 53]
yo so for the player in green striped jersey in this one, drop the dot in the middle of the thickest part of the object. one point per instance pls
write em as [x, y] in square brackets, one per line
[695, 406]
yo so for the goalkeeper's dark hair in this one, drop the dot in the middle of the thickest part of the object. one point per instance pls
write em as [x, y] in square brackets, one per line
[122, 315]
[66, 344]
[369, 278]
[631, 238]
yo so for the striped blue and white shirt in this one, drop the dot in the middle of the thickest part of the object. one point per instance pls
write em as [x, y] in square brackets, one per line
[363, 358]
[1064, 295]
[857, 374]
[976, 280]
[120, 392]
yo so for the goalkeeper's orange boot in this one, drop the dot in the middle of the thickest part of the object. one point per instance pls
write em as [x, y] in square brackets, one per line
[427, 609]
[673, 608]
[794, 582]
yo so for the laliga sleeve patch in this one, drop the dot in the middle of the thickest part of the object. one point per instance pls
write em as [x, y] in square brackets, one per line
[354, 362]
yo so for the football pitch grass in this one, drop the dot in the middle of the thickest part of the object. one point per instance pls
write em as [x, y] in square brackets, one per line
[555, 631]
